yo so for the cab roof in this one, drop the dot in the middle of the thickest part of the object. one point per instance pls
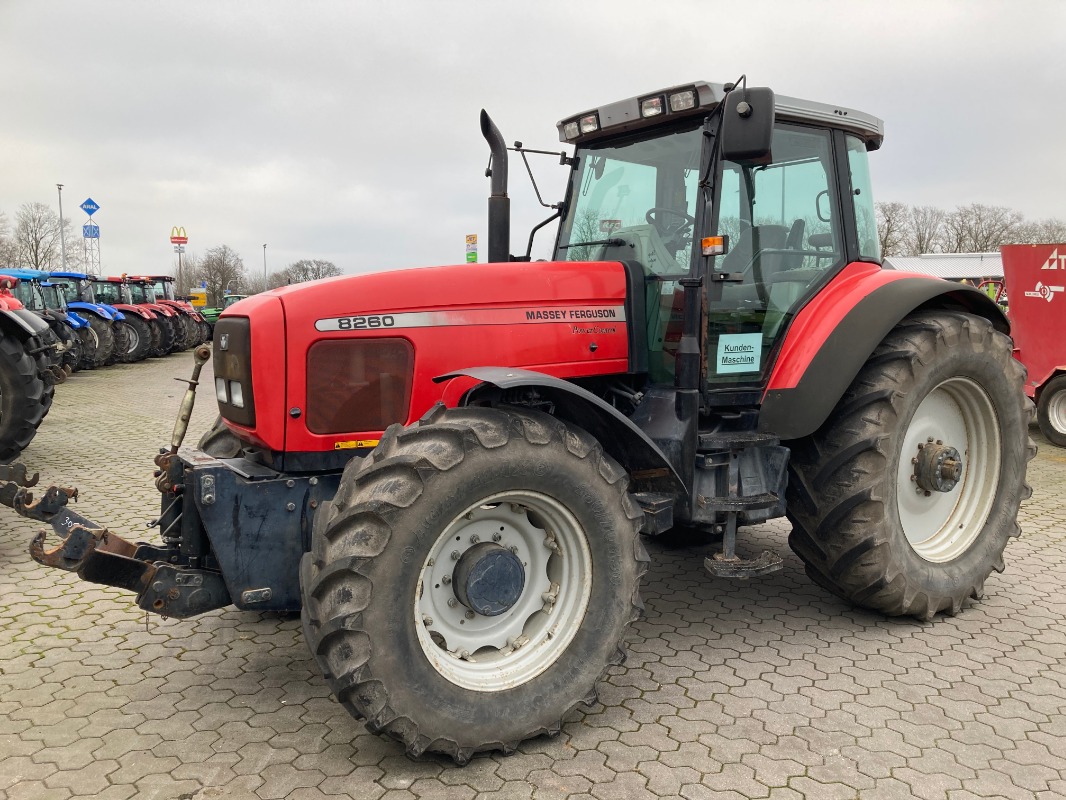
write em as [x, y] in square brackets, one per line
[625, 115]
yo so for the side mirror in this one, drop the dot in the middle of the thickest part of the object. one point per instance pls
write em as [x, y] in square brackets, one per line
[748, 126]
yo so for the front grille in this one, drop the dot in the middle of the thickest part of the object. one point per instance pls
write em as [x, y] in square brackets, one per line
[358, 385]
[233, 363]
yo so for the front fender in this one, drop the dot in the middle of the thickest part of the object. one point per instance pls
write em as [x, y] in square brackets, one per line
[835, 334]
[615, 432]
[93, 308]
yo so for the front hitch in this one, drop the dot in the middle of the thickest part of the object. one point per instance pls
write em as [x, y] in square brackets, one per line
[165, 580]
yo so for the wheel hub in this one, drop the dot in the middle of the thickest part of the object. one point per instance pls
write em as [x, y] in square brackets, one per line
[488, 579]
[937, 467]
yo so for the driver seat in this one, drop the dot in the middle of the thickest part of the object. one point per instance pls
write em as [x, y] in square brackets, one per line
[647, 249]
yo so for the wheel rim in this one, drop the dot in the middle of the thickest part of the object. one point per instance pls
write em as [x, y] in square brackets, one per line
[1056, 411]
[95, 339]
[479, 652]
[941, 525]
[135, 339]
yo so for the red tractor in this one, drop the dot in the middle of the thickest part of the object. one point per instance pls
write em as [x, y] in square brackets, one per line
[450, 470]
[196, 327]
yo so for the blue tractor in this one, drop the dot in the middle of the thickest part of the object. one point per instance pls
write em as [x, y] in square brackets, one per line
[34, 295]
[107, 322]
[56, 302]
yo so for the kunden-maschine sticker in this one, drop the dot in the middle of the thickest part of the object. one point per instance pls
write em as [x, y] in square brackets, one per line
[739, 352]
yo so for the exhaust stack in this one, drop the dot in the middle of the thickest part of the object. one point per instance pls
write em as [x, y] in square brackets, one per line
[499, 202]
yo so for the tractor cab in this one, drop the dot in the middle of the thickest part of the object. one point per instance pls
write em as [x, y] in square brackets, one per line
[659, 181]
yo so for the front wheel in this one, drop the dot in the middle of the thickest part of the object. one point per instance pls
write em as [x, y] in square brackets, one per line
[472, 579]
[1051, 411]
[904, 500]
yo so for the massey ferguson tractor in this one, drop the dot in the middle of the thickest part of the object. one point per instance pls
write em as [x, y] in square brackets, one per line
[450, 470]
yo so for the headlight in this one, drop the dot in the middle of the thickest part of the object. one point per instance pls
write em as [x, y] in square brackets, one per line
[590, 123]
[682, 101]
[220, 390]
[651, 107]
[236, 394]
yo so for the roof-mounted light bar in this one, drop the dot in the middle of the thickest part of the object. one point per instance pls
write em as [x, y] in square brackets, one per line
[657, 108]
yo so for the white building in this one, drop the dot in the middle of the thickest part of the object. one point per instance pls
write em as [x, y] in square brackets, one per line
[974, 267]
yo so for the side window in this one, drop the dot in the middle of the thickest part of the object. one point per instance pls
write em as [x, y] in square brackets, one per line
[863, 198]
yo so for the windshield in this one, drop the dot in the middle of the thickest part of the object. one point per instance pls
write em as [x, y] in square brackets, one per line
[86, 290]
[106, 292]
[635, 199]
[231, 299]
[53, 298]
[164, 289]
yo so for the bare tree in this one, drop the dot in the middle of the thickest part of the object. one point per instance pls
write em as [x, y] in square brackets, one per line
[37, 238]
[1045, 231]
[586, 229]
[892, 228]
[311, 270]
[220, 269]
[925, 230]
[8, 251]
[254, 284]
[978, 228]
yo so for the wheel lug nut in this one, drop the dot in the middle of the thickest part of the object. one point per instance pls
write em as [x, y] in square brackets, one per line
[496, 537]
[474, 538]
[446, 579]
[513, 549]
[452, 602]
[930, 440]
[455, 555]
[469, 614]
[427, 620]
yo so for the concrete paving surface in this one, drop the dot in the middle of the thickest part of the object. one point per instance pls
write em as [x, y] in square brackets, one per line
[763, 689]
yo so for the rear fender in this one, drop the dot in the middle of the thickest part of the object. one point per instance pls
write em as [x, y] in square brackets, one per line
[21, 323]
[616, 433]
[835, 334]
[76, 322]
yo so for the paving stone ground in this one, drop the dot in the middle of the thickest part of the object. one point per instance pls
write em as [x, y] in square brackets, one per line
[765, 689]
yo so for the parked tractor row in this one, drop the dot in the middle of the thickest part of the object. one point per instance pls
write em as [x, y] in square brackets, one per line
[54, 324]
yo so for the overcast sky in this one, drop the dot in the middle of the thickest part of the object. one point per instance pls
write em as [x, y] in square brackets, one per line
[349, 130]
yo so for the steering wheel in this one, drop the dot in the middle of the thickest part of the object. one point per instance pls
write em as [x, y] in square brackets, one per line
[675, 233]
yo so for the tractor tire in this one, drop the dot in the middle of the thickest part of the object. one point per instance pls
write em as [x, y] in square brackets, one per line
[22, 398]
[140, 336]
[105, 340]
[89, 345]
[1051, 411]
[442, 499]
[120, 331]
[192, 331]
[877, 516]
[177, 333]
[162, 338]
[72, 346]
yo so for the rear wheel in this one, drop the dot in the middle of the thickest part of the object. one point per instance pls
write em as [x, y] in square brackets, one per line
[22, 398]
[472, 579]
[904, 500]
[140, 335]
[121, 332]
[1051, 411]
[162, 337]
[105, 340]
[89, 346]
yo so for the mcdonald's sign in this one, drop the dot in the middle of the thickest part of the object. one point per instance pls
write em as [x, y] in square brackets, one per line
[177, 236]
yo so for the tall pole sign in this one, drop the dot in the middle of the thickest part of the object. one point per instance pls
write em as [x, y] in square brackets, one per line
[90, 232]
[179, 239]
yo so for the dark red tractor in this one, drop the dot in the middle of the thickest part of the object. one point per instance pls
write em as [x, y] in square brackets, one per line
[450, 470]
